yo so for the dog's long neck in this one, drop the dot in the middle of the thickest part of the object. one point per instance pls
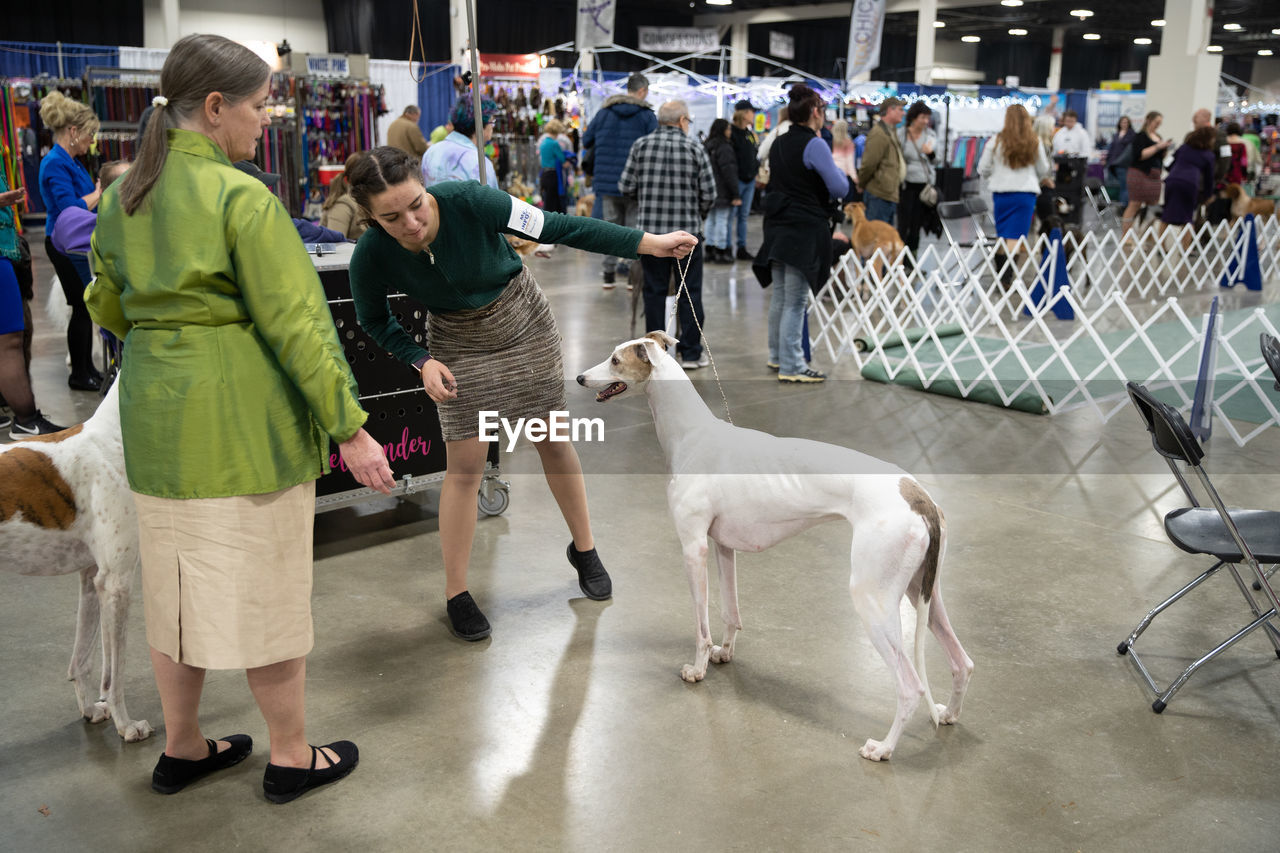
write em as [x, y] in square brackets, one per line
[677, 408]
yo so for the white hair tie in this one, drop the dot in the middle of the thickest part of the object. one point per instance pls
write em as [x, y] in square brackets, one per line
[159, 101]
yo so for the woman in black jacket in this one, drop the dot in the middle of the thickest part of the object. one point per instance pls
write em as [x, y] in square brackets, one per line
[724, 164]
[805, 190]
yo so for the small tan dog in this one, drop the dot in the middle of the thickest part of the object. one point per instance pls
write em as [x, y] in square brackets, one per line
[1242, 205]
[870, 236]
[584, 205]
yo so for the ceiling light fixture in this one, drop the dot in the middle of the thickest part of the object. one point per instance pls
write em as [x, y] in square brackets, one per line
[1265, 52]
[1010, 2]
[1091, 36]
[1232, 27]
[1017, 32]
[1082, 13]
[1142, 41]
[1276, 31]
[1158, 22]
[939, 24]
[719, 2]
[971, 39]
[1214, 48]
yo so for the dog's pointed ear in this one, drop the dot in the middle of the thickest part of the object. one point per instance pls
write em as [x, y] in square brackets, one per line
[662, 339]
[642, 353]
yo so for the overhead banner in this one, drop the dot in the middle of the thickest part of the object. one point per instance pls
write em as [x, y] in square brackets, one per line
[866, 26]
[595, 24]
[678, 39]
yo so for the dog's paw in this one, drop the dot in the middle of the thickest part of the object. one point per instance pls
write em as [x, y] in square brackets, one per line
[721, 654]
[691, 674]
[98, 713]
[946, 717]
[874, 750]
[136, 731]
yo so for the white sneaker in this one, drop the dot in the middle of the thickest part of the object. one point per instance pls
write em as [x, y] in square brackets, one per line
[690, 364]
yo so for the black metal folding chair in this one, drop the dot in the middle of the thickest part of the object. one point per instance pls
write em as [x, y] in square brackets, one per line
[980, 212]
[1100, 201]
[1232, 537]
[1271, 353]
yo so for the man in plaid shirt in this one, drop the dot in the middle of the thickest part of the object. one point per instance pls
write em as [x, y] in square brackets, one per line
[669, 174]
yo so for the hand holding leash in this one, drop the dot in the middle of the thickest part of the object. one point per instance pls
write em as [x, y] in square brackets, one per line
[675, 244]
[438, 382]
[367, 462]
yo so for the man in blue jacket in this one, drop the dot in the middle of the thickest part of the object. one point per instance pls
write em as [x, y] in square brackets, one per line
[621, 121]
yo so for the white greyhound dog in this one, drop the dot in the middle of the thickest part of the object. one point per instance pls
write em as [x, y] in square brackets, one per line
[65, 507]
[748, 490]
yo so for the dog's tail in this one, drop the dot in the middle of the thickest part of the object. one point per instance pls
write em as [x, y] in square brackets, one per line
[936, 525]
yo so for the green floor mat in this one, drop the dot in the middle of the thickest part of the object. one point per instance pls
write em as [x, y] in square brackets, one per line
[1134, 362]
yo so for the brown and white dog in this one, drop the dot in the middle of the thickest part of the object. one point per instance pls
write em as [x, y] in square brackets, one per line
[747, 490]
[1242, 205]
[65, 507]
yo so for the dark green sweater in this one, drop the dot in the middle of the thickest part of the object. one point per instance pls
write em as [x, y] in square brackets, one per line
[472, 263]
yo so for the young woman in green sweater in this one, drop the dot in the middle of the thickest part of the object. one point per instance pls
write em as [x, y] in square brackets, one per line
[494, 345]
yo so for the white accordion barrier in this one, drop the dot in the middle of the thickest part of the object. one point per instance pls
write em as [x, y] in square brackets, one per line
[1067, 321]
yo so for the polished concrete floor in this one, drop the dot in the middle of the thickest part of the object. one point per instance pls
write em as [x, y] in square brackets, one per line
[569, 729]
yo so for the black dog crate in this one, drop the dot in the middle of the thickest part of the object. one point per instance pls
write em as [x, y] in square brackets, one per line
[402, 417]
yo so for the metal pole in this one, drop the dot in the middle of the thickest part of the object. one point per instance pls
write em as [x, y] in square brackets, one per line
[475, 85]
[61, 71]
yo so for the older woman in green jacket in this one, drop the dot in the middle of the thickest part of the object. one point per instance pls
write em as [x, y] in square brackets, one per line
[234, 382]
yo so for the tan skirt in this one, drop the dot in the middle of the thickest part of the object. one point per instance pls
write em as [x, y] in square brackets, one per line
[505, 357]
[226, 582]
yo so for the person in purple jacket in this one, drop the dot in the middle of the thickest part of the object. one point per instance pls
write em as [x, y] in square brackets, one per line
[1189, 181]
[64, 183]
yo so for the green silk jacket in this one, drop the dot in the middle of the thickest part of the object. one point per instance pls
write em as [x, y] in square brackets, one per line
[233, 377]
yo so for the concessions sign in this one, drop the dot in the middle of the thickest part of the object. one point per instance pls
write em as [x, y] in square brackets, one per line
[510, 65]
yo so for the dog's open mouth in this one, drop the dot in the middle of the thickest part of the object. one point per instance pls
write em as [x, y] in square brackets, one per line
[612, 391]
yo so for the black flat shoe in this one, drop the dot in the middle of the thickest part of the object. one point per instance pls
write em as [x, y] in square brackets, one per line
[593, 580]
[282, 784]
[173, 774]
[84, 383]
[465, 619]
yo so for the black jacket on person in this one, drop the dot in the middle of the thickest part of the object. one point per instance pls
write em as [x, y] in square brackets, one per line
[744, 148]
[799, 213]
[724, 165]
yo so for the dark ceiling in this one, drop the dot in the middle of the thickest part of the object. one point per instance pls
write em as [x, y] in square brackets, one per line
[1117, 21]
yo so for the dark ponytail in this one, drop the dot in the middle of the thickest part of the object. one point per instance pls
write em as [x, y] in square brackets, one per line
[196, 66]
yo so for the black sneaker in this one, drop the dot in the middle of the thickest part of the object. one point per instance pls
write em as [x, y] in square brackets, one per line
[6, 417]
[806, 375]
[39, 425]
[593, 580]
[609, 279]
[465, 619]
[744, 255]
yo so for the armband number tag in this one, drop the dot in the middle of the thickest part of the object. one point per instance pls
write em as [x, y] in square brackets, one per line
[525, 218]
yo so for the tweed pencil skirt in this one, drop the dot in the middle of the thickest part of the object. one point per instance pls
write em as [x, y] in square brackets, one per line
[505, 357]
[226, 582]
[1144, 187]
